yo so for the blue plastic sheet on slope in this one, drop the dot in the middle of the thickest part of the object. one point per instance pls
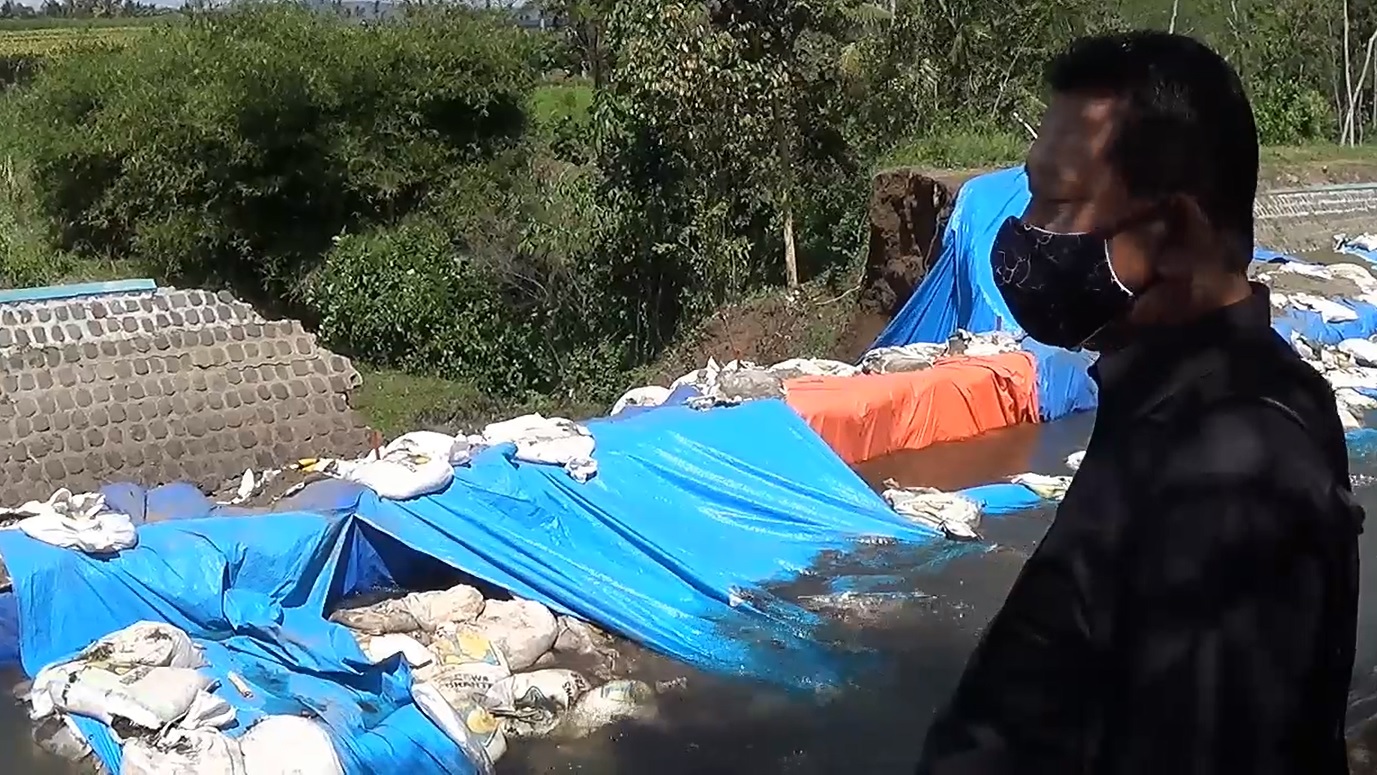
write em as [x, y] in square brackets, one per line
[678, 543]
[252, 593]
[674, 544]
[959, 290]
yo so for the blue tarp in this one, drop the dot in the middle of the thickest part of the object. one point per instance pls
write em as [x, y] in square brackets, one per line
[676, 543]
[959, 292]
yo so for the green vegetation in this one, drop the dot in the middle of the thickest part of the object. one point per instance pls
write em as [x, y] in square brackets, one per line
[491, 219]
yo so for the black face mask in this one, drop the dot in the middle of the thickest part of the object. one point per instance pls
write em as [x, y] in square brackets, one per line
[1060, 288]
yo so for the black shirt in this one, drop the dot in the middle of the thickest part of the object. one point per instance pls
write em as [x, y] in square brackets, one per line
[1193, 607]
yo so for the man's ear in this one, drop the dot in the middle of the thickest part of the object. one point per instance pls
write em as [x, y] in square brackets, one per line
[1181, 236]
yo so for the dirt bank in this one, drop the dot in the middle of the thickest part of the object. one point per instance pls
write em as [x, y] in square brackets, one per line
[908, 212]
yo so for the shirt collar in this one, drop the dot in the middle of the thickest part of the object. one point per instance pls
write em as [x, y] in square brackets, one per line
[1152, 344]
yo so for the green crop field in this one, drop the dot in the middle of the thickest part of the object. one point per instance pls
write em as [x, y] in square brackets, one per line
[49, 40]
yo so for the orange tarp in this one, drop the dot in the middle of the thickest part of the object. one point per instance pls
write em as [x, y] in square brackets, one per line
[871, 415]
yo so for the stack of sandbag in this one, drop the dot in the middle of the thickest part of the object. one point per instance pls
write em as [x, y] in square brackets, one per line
[498, 667]
[922, 355]
[145, 683]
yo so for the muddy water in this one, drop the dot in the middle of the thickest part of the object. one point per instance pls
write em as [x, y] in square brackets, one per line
[918, 623]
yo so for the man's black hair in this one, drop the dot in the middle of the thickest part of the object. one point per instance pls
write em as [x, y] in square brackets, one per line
[1188, 126]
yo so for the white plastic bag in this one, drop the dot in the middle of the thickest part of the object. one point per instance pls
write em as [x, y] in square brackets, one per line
[455, 605]
[576, 637]
[613, 701]
[289, 745]
[183, 752]
[382, 647]
[1050, 488]
[439, 711]
[534, 703]
[522, 630]
[78, 522]
[1073, 461]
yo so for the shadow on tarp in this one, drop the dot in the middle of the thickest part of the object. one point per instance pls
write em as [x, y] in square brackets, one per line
[674, 544]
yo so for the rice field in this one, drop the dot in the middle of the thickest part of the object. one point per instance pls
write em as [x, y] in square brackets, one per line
[49, 40]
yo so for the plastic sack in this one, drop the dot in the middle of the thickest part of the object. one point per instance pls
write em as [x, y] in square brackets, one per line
[78, 522]
[522, 630]
[456, 605]
[534, 703]
[183, 752]
[1049, 488]
[955, 515]
[289, 745]
[381, 647]
[382, 618]
[465, 683]
[613, 701]
[483, 728]
[466, 645]
[813, 367]
[1363, 351]
[650, 395]
[1074, 460]
[434, 707]
[151, 644]
[576, 637]
[153, 699]
[548, 441]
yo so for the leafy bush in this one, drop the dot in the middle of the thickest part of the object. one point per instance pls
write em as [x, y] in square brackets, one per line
[234, 147]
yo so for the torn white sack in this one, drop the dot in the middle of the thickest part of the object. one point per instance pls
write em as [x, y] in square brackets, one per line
[78, 522]
[955, 515]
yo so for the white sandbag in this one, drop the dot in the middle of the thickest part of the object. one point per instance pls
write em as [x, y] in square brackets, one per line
[430, 444]
[814, 367]
[1049, 488]
[151, 644]
[609, 703]
[289, 745]
[455, 605]
[382, 647]
[441, 714]
[548, 441]
[400, 477]
[576, 637]
[649, 395]
[521, 629]
[151, 698]
[534, 703]
[1363, 351]
[463, 683]
[466, 644]
[955, 515]
[381, 618]
[183, 752]
[1073, 461]
[78, 522]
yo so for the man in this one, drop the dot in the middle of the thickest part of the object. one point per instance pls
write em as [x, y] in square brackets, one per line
[1193, 607]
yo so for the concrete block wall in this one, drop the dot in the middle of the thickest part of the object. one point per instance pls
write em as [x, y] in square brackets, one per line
[137, 383]
[1298, 220]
